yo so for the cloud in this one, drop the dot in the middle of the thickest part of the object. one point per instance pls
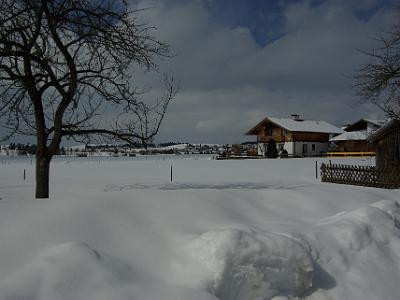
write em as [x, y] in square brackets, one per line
[229, 82]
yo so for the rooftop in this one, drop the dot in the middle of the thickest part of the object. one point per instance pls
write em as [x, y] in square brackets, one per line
[351, 136]
[298, 125]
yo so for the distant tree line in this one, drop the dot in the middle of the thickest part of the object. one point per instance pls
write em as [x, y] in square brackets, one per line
[29, 149]
[23, 149]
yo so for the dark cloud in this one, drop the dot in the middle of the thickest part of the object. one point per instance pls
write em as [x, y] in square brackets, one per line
[229, 81]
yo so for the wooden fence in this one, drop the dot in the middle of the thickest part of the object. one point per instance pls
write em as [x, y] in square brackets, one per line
[361, 175]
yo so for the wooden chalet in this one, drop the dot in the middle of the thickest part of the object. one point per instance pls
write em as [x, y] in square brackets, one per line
[355, 137]
[368, 125]
[297, 136]
[387, 145]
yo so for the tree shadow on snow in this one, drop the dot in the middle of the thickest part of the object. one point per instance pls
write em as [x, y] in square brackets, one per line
[229, 186]
[199, 186]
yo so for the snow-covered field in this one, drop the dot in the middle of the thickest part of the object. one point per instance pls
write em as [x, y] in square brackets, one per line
[228, 230]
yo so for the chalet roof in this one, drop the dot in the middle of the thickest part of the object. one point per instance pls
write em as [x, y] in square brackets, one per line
[356, 124]
[350, 136]
[376, 121]
[384, 130]
[298, 126]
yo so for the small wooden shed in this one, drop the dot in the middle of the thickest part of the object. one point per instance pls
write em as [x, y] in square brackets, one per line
[387, 145]
[355, 137]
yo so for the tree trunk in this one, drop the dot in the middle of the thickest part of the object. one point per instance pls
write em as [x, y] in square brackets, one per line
[42, 176]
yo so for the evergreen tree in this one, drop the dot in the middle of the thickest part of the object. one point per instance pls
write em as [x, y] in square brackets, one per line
[32, 149]
[284, 154]
[272, 150]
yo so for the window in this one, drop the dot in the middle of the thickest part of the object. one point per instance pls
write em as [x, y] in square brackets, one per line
[270, 131]
[283, 132]
[313, 147]
[305, 148]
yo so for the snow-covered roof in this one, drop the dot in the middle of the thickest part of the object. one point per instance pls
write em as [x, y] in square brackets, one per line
[77, 147]
[299, 125]
[376, 121]
[306, 125]
[351, 136]
[384, 130]
[175, 147]
[363, 124]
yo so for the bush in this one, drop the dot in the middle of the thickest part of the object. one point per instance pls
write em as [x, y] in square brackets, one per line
[284, 154]
[272, 151]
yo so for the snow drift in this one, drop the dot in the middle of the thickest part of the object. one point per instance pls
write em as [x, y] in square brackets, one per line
[245, 265]
[68, 271]
[334, 255]
[361, 250]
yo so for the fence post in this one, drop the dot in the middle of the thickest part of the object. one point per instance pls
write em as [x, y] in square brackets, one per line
[316, 169]
[171, 173]
[24, 174]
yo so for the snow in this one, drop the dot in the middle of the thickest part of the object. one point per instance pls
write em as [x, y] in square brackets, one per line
[237, 230]
[67, 271]
[80, 147]
[376, 121]
[306, 125]
[175, 147]
[246, 264]
[351, 136]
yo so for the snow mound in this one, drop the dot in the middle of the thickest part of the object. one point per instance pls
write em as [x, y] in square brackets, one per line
[358, 248]
[244, 264]
[67, 271]
[351, 232]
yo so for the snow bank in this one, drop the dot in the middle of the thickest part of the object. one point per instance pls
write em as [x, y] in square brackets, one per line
[68, 271]
[245, 265]
[361, 251]
[75, 271]
[336, 258]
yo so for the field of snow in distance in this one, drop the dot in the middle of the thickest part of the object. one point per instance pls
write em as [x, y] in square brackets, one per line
[228, 230]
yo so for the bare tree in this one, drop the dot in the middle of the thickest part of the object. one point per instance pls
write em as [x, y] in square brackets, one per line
[378, 81]
[66, 66]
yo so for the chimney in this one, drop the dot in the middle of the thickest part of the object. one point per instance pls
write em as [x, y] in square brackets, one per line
[296, 117]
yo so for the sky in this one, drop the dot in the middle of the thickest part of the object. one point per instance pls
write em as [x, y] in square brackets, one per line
[240, 61]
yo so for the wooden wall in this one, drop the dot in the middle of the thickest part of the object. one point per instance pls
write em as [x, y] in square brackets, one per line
[355, 146]
[310, 137]
[388, 150]
[264, 136]
[274, 132]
